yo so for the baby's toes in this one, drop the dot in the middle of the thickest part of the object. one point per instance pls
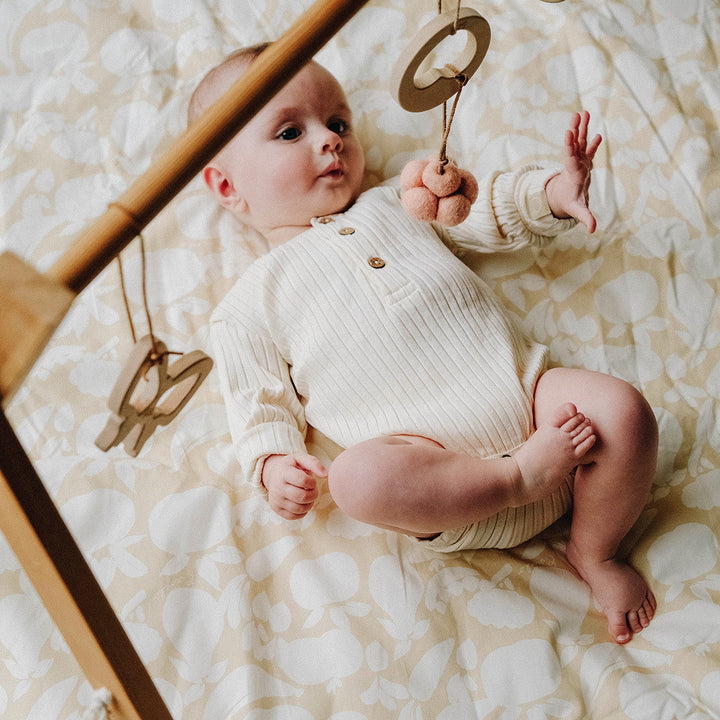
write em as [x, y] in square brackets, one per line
[583, 440]
[634, 622]
[573, 424]
[583, 431]
[618, 627]
[565, 417]
[648, 608]
[579, 425]
[646, 611]
[643, 618]
[651, 602]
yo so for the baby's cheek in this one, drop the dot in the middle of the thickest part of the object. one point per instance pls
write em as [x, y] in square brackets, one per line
[289, 180]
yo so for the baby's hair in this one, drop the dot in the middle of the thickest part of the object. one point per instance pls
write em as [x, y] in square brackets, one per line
[215, 82]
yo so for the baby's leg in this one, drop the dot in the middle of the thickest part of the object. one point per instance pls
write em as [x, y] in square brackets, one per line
[414, 486]
[612, 486]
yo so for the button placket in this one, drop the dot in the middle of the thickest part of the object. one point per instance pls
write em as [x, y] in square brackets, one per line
[373, 261]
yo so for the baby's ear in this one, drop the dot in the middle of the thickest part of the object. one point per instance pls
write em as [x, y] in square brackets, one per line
[223, 189]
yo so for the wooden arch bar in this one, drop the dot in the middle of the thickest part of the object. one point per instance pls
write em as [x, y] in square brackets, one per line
[33, 305]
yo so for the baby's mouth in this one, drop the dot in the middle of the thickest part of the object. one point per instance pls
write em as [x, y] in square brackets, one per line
[334, 170]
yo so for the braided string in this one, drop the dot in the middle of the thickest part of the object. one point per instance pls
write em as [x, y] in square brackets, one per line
[462, 80]
[138, 231]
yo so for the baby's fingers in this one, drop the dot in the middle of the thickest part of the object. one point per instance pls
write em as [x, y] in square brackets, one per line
[576, 136]
[288, 509]
[295, 498]
[593, 146]
[582, 126]
[301, 488]
[583, 215]
[570, 143]
[310, 464]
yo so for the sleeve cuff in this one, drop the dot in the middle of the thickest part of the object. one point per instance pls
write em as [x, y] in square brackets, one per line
[521, 207]
[255, 446]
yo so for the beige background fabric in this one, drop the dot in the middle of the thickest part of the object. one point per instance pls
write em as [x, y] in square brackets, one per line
[238, 614]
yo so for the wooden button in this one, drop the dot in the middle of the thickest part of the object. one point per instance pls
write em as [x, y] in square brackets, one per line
[326, 220]
[376, 262]
[347, 231]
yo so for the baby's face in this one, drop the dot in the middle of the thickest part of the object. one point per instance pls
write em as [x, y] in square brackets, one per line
[298, 158]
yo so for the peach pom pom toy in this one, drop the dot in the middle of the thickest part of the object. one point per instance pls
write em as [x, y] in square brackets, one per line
[437, 190]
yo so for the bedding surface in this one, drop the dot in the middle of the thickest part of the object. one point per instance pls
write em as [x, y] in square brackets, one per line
[239, 614]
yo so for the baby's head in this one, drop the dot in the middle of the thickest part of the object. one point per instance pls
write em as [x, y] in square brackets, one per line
[219, 79]
[298, 158]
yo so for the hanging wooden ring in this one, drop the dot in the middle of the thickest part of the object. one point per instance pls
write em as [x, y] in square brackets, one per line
[437, 85]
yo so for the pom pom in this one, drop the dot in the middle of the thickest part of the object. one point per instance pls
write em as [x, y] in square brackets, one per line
[452, 210]
[411, 176]
[442, 182]
[420, 203]
[468, 186]
[429, 194]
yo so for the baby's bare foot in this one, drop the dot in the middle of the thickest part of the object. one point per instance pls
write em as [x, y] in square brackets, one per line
[624, 596]
[551, 452]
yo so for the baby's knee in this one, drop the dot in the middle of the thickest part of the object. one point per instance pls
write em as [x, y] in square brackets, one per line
[340, 479]
[355, 479]
[637, 420]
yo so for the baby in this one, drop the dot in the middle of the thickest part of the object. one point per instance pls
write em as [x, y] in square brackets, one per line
[363, 323]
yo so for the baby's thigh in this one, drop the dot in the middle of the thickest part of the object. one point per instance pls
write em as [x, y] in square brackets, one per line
[617, 410]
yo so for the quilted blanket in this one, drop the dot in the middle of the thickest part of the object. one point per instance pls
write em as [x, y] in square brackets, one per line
[238, 614]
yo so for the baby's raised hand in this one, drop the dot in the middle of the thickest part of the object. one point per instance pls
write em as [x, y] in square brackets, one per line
[567, 192]
[291, 483]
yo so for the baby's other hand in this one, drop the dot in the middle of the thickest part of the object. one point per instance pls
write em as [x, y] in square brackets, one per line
[567, 192]
[291, 482]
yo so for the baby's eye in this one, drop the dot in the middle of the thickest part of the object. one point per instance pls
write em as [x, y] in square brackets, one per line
[290, 133]
[339, 127]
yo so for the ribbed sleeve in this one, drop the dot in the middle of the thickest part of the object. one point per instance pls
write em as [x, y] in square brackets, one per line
[264, 412]
[502, 218]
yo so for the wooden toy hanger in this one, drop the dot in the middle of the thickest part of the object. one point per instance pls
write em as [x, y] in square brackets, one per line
[436, 189]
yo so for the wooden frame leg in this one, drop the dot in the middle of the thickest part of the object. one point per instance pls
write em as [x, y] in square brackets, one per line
[52, 560]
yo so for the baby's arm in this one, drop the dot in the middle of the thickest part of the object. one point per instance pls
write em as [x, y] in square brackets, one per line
[291, 483]
[567, 192]
[265, 415]
[532, 205]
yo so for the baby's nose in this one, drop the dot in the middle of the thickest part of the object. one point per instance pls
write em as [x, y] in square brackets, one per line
[330, 141]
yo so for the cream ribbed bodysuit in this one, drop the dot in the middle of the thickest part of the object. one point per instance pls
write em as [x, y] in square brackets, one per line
[367, 324]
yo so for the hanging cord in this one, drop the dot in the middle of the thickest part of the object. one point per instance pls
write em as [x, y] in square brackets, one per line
[97, 710]
[138, 232]
[155, 355]
[462, 81]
